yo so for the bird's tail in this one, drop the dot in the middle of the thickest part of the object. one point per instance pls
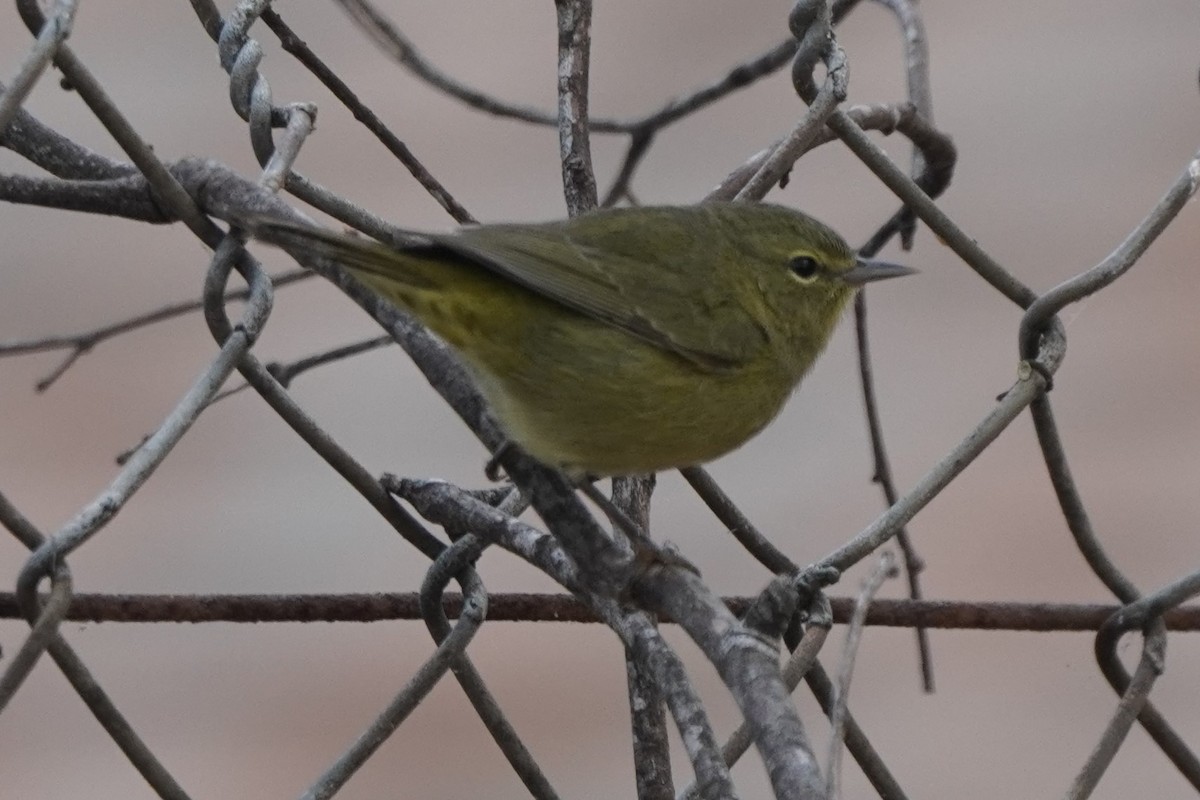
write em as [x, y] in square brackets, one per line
[362, 256]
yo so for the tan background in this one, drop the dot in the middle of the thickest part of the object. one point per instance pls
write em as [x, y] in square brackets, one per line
[1070, 118]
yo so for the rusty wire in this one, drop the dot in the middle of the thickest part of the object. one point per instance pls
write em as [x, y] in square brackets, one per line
[741, 637]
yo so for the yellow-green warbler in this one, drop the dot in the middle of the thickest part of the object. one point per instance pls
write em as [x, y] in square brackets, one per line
[622, 341]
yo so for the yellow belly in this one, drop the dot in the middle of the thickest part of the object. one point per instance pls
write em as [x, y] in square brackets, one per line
[582, 395]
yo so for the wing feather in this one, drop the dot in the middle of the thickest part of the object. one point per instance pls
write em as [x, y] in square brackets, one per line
[596, 265]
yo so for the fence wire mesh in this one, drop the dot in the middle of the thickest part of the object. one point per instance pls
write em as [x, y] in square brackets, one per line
[226, 513]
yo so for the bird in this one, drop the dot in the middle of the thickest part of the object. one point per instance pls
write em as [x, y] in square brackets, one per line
[621, 341]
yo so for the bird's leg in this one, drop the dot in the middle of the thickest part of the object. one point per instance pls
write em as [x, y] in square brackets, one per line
[493, 468]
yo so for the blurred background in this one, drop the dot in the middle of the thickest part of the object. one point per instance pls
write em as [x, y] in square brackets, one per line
[1070, 119]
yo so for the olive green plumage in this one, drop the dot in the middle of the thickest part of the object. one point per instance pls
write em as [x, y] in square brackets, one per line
[627, 340]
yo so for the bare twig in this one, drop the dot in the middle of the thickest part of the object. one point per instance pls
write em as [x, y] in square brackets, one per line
[388, 36]
[820, 619]
[648, 723]
[122, 131]
[1013, 402]
[648, 729]
[932, 173]
[916, 198]
[394, 43]
[574, 145]
[451, 507]
[812, 25]
[297, 47]
[882, 474]
[738, 523]
[837, 720]
[54, 32]
[82, 343]
[865, 754]
[285, 373]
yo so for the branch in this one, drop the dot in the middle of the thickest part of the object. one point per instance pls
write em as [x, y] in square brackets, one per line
[886, 568]
[574, 145]
[297, 47]
[82, 343]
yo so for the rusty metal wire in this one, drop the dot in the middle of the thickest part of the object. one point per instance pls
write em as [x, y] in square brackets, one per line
[743, 639]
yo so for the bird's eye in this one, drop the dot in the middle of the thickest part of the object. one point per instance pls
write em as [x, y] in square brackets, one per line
[804, 267]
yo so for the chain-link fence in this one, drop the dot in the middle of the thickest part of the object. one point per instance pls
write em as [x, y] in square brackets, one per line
[224, 515]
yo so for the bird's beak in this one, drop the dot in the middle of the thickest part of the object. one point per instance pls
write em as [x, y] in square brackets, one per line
[867, 270]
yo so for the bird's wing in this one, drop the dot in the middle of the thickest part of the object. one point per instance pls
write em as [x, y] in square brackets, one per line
[598, 267]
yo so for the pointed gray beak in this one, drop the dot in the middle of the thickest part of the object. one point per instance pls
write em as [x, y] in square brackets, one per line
[867, 270]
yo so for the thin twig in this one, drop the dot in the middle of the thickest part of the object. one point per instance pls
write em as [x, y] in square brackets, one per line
[395, 44]
[457, 510]
[92, 92]
[55, 30]
[647, 711]
[287, 372]
[293, 44]
[932, 173]
[916, 198]
[1028, 387]
[574, 144]
[865, 755]
[82, 343]
[802, 658]
[738, 524]
[882, 475]
[884, 570]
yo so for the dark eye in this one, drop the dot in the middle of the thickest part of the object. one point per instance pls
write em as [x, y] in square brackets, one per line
[803, 267]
